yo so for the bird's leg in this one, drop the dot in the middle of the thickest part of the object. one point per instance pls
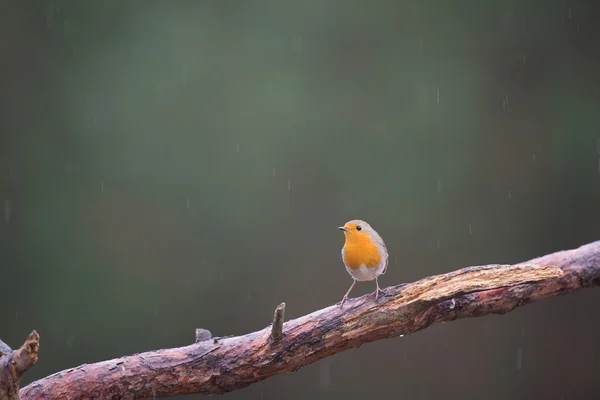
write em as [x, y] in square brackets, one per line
[348, 292]
[377, 291]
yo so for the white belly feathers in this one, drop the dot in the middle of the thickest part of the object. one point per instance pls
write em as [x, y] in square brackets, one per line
[366, 274]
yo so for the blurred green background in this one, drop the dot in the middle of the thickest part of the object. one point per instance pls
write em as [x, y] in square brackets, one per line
[168, 165]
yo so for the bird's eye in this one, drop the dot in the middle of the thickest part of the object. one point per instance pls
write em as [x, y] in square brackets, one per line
[359, 228]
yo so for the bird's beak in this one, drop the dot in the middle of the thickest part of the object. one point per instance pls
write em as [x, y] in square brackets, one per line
[343, 228]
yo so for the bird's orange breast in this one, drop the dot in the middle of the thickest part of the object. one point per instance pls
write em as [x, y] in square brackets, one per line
[361, 251]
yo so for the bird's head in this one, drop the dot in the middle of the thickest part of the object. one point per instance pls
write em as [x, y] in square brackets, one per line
[357, 230]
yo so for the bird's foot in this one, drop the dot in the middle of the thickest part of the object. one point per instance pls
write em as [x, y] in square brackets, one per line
[341, 303]
[377, 292]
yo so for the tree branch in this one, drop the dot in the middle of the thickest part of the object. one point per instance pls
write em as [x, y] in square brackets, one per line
[220, 365]
[13, 364]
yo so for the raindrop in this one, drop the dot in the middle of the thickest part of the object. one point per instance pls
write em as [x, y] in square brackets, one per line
[438, 95]
[156, 312]
[395, 260]
[509, 194]
[570, 13]
[533, 156]
[187, 202]
[102, 185]
[273, 171]
[237, 148]
[439, 184]
[49, 16]
[289, 194]
[423, 97]
[420, 43]
[470, 229]
[520, 358]
[7, 211]
[524, 59]
[249, 296]
[523, 332]
[299, 43]
[438, 244]
[325, 373]
[66, 27]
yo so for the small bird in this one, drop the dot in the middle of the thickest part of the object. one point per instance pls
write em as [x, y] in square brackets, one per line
[364, 254]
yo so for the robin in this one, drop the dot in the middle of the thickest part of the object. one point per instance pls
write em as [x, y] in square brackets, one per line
[364, 254]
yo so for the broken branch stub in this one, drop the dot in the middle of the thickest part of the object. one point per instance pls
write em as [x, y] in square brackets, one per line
[14, 363]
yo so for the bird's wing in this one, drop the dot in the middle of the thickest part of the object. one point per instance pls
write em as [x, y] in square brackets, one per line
[379, 241]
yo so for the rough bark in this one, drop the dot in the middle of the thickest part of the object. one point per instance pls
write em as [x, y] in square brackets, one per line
[220, 365]
[13, 364]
